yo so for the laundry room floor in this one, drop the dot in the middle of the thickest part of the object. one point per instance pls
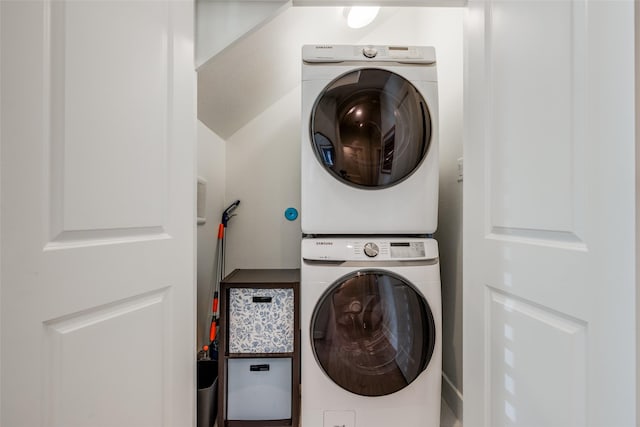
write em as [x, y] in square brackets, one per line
[447, 417]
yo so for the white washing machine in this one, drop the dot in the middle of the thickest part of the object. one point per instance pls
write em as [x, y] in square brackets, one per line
[371, 325]
[369, 155]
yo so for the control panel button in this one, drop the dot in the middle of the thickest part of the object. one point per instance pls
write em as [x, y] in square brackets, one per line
[370, 52]
[371, 249]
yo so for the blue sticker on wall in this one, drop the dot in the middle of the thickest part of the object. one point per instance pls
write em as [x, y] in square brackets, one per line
[291, 214]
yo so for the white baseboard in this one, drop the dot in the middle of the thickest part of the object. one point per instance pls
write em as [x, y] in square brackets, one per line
[452, 396]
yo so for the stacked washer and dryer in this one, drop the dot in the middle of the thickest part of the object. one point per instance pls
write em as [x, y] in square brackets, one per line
[370, 277]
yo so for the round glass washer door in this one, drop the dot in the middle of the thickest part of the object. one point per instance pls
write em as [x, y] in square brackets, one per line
[370, 128]
[372, 333]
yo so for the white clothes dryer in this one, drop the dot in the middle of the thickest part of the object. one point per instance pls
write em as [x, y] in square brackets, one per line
[371, 346]
[369, 155]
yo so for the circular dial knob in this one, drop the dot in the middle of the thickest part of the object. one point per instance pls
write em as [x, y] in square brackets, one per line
[371, 249]
[370, 52]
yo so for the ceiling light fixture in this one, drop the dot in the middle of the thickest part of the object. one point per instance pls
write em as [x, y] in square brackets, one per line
[361, 16]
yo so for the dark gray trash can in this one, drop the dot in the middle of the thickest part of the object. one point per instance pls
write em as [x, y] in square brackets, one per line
[207, 392]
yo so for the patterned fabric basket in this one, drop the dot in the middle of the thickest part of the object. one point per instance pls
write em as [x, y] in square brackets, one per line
[261, 320]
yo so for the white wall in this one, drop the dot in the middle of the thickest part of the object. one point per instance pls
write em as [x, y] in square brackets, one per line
[211, 167]
[263, 171]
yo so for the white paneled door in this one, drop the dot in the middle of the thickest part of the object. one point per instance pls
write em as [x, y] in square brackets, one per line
[97, 212]
[549, 286]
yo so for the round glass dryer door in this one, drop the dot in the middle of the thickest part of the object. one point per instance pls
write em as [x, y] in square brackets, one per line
[372, 333]
[370, 128]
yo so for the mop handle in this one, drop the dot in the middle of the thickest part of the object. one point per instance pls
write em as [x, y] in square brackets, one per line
[215, 315]
[214, 307]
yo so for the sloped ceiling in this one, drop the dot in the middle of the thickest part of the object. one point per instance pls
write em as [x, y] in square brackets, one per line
[255, 71]
[220, 23]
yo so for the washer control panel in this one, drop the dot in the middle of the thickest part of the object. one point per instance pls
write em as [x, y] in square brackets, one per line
[344, 249]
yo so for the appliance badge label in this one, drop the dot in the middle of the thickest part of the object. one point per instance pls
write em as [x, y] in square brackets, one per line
[324, 243]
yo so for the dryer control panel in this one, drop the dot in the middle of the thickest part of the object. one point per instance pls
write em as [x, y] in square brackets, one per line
[369, 249]
[344, 53]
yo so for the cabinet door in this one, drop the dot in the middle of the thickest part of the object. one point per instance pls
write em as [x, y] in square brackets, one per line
[549, 212]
